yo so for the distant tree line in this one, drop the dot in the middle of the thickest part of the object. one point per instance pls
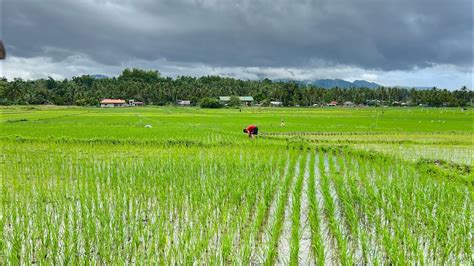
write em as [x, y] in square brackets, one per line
[151, 88]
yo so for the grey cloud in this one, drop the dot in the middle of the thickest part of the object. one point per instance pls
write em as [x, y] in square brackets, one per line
[443, 76]
[371, 34]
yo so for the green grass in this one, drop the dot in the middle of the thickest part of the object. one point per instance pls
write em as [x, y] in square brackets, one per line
[128, 123]
[91, 185]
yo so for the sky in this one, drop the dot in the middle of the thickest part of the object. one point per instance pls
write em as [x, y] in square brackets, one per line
[392, 42]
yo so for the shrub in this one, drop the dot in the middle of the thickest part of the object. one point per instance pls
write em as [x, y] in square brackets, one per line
[210, 103]
[234, 101]
[81, 102]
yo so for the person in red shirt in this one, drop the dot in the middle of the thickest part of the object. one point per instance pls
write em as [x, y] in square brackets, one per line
[251, 130]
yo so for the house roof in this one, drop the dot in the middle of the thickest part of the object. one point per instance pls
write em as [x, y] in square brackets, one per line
[242, 98]
[112, 101]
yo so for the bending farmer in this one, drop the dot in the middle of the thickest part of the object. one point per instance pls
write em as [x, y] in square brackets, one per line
[251, 130]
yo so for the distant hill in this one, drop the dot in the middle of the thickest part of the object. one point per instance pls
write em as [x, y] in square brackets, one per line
[332, 83]
[417, 88]
[366, 84]
[99, 76]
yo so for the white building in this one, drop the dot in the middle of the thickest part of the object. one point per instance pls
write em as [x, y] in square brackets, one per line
[276, 104]
[245, 100]
[349, 104]
[183, 103]
[134, 103]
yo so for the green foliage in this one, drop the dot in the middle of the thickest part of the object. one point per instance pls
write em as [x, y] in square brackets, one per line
[446, 170]
[210, 103]
[86, 102]
[234, 101]
[149, 86]
[140, 75]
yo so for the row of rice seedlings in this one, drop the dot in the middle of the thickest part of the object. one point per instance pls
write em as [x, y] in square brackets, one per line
[351, 199]
[347, 215]
[251, 233]
[240, 238]
[57, 207]
[305, 251]
[357, 242]
[375, 209]
[461, 153]
[221, 225]
[284, 243]
[396, 191]
[279, 216]
[393, 243]
[434, 213]
[356, 217]
[317, 242]
[330, 211]
[218, 237]
[391, 190]
[296, 213]
[337, 169]
[263, 236]
[78, 205]
[148, 208]
[232, 243]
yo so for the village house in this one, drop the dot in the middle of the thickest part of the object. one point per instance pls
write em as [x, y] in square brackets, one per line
[135, 103]
[245, 100]
[111, 103]
[276, 104]
[349, 104]
[183, 103]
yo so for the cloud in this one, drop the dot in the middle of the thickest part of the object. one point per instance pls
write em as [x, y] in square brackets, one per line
[391, 35]
[442, 76]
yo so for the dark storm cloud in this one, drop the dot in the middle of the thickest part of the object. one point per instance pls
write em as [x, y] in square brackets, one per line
[374, 34]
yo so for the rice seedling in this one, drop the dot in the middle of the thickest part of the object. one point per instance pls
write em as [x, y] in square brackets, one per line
[74, 191]
[317, 242]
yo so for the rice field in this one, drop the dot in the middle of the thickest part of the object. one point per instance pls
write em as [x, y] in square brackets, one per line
[92, 186]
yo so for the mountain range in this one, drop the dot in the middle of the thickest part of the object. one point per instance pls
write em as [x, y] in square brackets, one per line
[332, 83]
[322, 83]
[99, 76]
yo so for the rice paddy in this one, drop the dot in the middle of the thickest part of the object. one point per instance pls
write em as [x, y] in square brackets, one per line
[334, 186]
